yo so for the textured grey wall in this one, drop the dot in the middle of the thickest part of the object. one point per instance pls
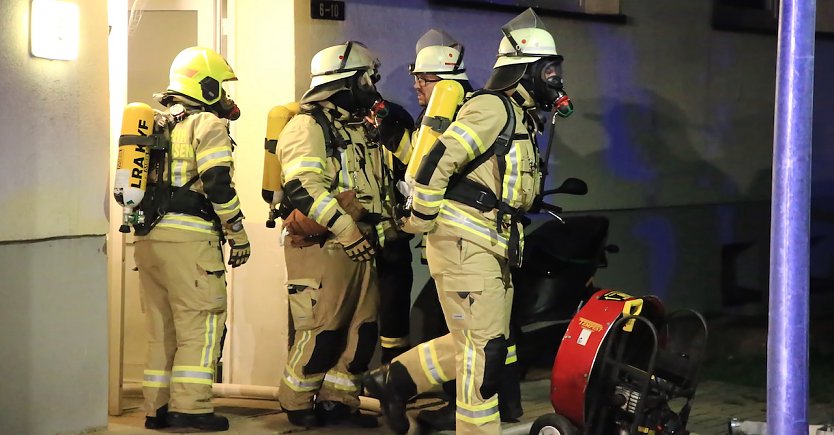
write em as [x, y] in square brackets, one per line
[53, 181]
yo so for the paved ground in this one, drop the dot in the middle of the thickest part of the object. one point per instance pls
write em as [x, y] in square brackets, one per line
[715, 404]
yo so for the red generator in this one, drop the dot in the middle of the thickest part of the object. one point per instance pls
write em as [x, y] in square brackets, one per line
[625, 367]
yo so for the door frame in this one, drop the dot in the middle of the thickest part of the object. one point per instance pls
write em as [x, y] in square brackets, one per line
[209, 19]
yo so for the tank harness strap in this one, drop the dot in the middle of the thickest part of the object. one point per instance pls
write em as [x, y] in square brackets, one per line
[478, 196]
[185, 200]
[438, 124]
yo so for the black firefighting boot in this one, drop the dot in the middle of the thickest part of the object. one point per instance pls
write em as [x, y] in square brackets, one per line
[203, 422]
[509, 394]
[392, 385]
[331, 413]
[442, 418]
[303, 418]
[160, 421]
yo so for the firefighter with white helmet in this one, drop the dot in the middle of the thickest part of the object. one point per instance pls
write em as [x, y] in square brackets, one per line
[178, 253]
[332, 213]
[471, 191]
[438, 57]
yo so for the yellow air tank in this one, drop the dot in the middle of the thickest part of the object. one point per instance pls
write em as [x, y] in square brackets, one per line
[445, 99]
[277, 119]
[132, 164]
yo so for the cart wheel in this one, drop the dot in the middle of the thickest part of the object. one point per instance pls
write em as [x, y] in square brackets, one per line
[553, 424]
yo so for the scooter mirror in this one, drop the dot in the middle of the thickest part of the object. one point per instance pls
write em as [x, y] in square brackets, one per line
[571, 186]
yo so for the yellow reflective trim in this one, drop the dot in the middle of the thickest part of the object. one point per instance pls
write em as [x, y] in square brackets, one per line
[489, 403]
[455, 217]
[210, 335]
[403, 151]
[478, 414]
[390, 342]
[301, 165]
[439, 370]
[157, 372]
[187, 380]
[467, 137]
[155, 384]
[192, 369]
[461, 140]
[510, 179]
[208, 164]
[468, 366]
[512, 356]
[216, 150]
[424, 365]
[187, 222]
[341, 381]
[299, 349]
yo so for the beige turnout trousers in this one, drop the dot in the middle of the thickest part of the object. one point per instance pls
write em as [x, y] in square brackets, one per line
[333, 303]
[476, 293]
[184, 299]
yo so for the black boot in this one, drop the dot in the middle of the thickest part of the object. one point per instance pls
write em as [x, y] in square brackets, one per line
[334, 413]
[392, 385]
[509, 394]
[441, 418]
[303, 418]
[160, 421]
[203, 422]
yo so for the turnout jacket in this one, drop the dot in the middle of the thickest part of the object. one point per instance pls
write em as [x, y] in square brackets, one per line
[312, 174]
[476, 127]
[201, 150]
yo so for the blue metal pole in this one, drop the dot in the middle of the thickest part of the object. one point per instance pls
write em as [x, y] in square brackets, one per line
[787, 342]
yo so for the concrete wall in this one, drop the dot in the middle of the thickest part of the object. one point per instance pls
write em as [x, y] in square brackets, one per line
[261, 50]
[53, 180]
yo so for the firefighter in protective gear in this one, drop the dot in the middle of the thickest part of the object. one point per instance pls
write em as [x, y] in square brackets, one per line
[470, 194]
[438, 57]
[331, 209]
[180, 260]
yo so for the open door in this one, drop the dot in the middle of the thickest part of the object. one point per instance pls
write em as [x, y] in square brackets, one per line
[156, 31]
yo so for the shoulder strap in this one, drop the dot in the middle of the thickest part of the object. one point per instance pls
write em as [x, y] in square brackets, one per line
[502, 144]
[330, 138]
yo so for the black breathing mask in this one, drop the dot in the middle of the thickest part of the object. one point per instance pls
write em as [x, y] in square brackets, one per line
[543, 80]
[364, 91]
[226, 107]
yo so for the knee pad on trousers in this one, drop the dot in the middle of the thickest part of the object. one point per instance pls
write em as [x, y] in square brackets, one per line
[329, 345]
[365, 346]
[495, 355]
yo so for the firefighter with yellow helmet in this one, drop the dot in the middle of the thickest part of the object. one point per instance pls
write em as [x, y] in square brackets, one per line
[331, 208]
[180, 257]
[470, 192]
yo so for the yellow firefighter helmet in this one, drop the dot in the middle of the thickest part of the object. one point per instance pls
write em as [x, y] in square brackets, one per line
[199, 73]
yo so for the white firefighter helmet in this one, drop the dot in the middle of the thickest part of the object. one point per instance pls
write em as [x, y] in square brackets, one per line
[440, 54]
[525, 41]
[340, 61]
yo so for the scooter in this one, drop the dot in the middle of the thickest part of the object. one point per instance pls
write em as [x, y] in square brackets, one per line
[561, 257]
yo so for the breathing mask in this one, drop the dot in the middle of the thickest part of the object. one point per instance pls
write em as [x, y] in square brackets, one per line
[543, 79]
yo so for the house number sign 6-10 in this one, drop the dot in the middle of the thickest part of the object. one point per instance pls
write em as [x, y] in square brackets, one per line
[327, 10]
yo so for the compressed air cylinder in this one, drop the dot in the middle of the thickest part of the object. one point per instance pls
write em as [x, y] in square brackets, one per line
[132, 164]
[277, 119]
[445, 99]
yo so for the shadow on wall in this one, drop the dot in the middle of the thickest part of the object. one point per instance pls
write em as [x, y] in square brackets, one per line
[673, 211]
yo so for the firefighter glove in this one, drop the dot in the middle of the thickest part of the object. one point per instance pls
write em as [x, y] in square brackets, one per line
[238, 242]
[357, 246]
[394, 125]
